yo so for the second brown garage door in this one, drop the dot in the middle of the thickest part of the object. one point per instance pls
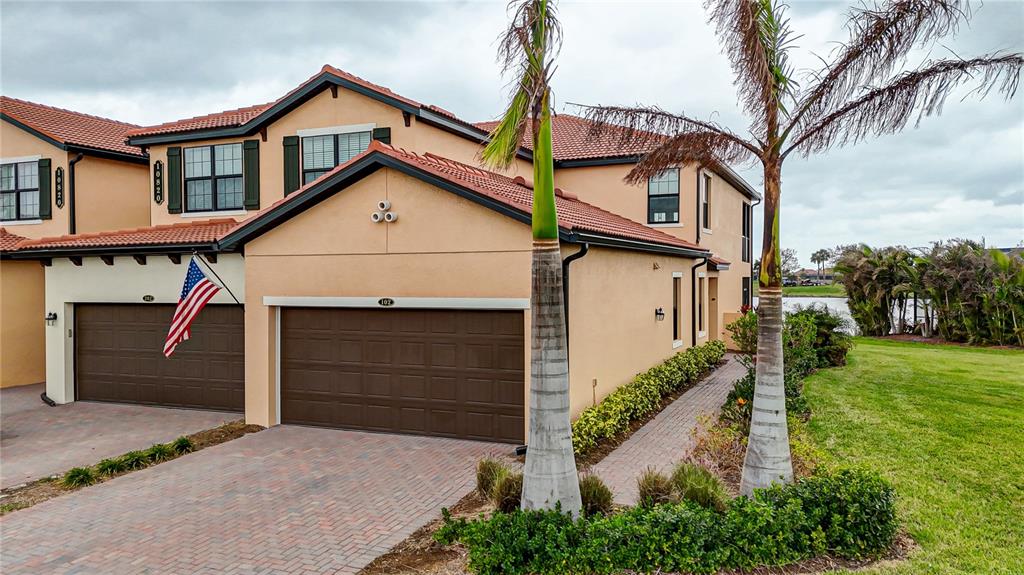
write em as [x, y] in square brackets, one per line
[119, 357]
[449, 373]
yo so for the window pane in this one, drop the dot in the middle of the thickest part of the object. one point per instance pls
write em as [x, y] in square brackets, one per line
[229, 193]
[310, 176]
[29, 204]
[318, 152]
[351, 145]
[198, 196]
[7, 207]
[666, 183]
[7, 177]
[662, 209]
[197, 162]
[28, 176]
[228, 159]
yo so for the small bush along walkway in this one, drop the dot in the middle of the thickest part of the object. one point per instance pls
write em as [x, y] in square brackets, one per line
[666, 439]
[76, 478]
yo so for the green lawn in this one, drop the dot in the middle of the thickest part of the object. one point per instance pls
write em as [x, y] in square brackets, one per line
[945, 424]
[831, 290]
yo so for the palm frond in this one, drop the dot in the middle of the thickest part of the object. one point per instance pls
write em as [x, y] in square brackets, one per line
[756, 37]
[703, 148]
[910, 95]
[880, 39]
[527, 48]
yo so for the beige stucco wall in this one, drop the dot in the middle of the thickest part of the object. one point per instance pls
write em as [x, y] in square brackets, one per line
[17, 143]
[604, 186]
[325, 111]
[22, 351]
[124, 282]
[447, 247]
[110, 195]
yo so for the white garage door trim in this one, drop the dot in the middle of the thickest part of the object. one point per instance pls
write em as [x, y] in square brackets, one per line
[493, 303]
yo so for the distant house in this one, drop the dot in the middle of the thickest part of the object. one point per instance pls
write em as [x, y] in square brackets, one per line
[826, 274]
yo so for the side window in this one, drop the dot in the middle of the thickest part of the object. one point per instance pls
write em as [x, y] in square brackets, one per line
[746, 248]
[19, 191]
[746, 291]
[677, 295]
[705, 200]
[700, 305]
[213, 178]
[663, 198]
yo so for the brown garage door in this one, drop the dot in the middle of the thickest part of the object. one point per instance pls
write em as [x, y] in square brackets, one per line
[119, 357]
[425, 372]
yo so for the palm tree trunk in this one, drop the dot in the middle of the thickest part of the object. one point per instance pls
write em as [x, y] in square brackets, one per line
[768, 458]
[549, 476]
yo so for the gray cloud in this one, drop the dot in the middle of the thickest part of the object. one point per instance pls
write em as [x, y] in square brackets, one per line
[960, 174]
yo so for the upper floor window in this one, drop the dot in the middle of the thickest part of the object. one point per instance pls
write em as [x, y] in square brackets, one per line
[322, 153]
[705, 200]
[663, 198]
[19, 191]
[213, 178]
[748, 216]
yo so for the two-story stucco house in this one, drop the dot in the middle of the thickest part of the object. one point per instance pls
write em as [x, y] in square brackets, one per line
[61, 172]
[376, 277]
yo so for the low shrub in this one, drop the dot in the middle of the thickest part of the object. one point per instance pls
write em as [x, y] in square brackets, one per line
[653, 488]
[488, 471]
[111, 466]
[813, 337]
[183, 445]
[692, 482]
[135, 459]
[159, 452]
[507, 493]
[740, 400]
[597, 498]
[832, 339]
[642, 396]
[850, 514]
[79, 477]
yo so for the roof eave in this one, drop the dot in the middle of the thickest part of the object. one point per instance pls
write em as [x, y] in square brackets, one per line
[604, 240]
[122, 250]
[726, 172]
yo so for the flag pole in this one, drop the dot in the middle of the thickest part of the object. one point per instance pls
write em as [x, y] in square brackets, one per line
[222, 282]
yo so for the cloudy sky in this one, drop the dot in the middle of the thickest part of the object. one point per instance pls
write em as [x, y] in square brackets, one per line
[958, 175]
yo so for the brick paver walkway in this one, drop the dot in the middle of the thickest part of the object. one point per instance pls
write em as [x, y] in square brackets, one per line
[285, 500]
[666, 438]
[37, 440]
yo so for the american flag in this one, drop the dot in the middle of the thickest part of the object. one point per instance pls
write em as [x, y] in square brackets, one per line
[196, 292]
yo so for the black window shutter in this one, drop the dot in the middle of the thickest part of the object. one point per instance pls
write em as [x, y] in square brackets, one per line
[174, 180]
[382, 135]
[291, 164]
[251, 173]
[45, 209]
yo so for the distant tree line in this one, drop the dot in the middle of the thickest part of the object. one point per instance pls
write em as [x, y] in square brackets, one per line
[964, 292]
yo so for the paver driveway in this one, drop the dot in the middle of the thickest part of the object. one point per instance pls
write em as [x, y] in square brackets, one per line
[285, 500]
[37, 440]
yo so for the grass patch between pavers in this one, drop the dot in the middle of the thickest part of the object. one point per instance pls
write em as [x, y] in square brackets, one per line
[23, 496]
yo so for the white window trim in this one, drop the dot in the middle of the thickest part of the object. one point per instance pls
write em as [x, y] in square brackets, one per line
[677, 344]
[496, 303]
[20, 222]
[701, 334]
[677, 274]
[214, 214]
[702, 193]
[20, 159]
[331, 130]
[679, 225]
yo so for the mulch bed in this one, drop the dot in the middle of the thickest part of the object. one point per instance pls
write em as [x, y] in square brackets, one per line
[24, 496]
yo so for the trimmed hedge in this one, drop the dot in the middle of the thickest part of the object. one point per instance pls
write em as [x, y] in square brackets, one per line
[642, 396]
[849, 514]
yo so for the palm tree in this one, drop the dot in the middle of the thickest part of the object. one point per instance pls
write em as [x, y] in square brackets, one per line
[859, 92]
[527, 49]
[819, 258]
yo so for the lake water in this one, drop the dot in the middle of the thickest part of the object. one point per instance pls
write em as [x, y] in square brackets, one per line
[834, 304]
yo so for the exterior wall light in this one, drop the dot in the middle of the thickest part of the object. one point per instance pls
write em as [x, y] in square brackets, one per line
[659, 314]
[51, 318]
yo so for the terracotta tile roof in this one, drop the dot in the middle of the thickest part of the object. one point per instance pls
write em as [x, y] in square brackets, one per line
[574, 215]
[9, 241]
[71, 128]
[570, 138]
[205, 232]
[718, 261]
[234, 118]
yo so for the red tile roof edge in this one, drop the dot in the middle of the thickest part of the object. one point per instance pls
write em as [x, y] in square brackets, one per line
[10, 241]
[5, 107]
[63, 240]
